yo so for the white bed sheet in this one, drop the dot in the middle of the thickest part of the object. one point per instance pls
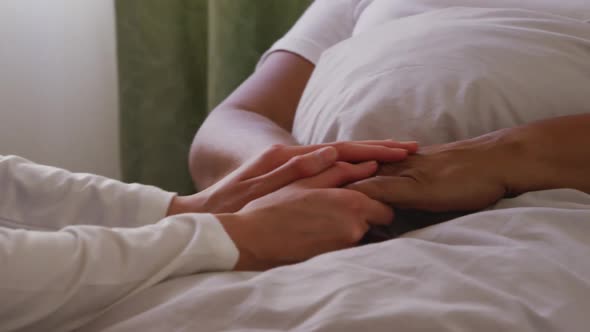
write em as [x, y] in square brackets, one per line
[524, 265]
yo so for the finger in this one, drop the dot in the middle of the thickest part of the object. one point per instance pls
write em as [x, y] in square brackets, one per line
[359, 152]
[272, 158]
[354, 152]
[401, 192]
[340, 174]
[377, 213]
[299, 167]
[389, 143]
[411, 146]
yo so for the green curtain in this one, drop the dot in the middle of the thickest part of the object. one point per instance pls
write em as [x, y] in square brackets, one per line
[177, 60]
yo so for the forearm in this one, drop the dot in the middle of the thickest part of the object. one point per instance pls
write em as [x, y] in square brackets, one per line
[47, 198]
[228, 138]
[57, 281]
[550, 154]
[256, 115]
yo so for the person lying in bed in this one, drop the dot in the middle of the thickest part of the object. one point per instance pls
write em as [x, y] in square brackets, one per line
[72, 245]
[496, 92]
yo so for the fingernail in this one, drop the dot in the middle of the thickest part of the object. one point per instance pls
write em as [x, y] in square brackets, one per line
[409, 142]
[400, 151]
[369, 163]
[327, 154]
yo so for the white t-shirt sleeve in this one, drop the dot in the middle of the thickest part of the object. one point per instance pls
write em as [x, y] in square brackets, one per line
[324, 24]
[58, 279]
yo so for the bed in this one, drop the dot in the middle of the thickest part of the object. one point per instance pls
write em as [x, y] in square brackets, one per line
[520, 265]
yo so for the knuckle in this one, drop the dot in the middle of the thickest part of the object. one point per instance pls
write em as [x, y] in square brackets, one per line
[374, 187]
[301, 166]
[253, 189]
[391, 169]
[357, 232]
[277, 147]
[274, 151]
[343, 196]
[339, 145]
[298, 160]
[417, 175]
[352, 201]
[354, 205]
[354, 196]
[343, 166]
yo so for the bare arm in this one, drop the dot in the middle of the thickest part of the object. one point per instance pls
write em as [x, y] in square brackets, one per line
[261, 111]
[255, 116]
[555, 153]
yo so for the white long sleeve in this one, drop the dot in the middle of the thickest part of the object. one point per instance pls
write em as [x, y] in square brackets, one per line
[61, 261]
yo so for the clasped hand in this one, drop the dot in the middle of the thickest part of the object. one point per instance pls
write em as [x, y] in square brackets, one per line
[287, 204]
[461, 176]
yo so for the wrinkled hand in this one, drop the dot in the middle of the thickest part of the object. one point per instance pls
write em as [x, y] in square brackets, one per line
[307, 218]
[461, 176]
[279, 166]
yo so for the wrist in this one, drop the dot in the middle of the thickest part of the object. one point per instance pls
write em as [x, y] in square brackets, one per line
[521, 169]
[186, 204]
[241, 230]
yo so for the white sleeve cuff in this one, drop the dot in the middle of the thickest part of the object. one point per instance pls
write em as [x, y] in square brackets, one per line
[153, 204]
[212, 248]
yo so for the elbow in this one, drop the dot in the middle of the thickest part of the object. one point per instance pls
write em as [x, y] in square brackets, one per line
[207, 164]
[193, 165]
[197, 164]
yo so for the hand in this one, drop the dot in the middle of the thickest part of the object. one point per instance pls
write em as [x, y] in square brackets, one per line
[353, 151]
[461, 176]
[279, 166]
[304, 219]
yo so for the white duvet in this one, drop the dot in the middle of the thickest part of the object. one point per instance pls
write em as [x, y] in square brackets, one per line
[522, 265]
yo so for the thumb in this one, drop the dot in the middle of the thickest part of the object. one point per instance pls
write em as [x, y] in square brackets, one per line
[401, 192]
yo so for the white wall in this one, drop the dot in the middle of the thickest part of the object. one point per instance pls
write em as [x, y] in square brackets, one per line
[58, 83]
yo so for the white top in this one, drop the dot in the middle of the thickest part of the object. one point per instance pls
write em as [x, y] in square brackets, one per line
[56, 277]
[328, 22]
[438, 71]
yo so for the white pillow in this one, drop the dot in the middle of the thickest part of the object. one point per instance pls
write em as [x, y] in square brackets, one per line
[448, 75]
